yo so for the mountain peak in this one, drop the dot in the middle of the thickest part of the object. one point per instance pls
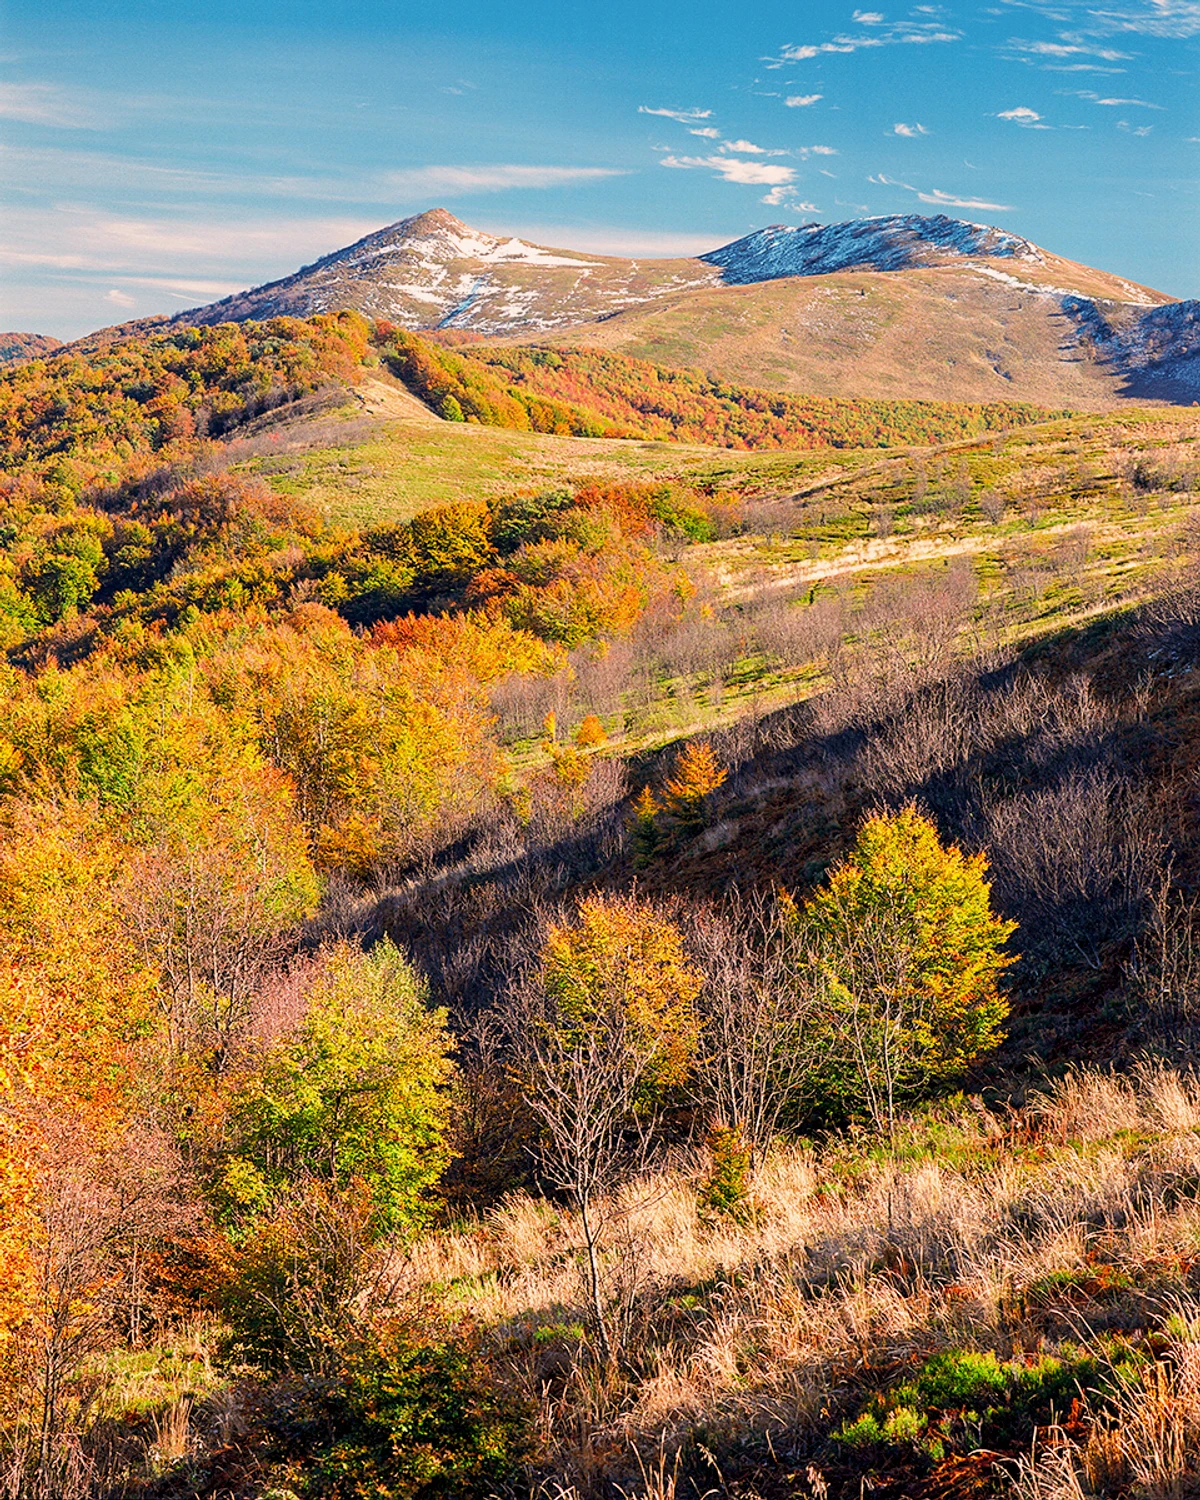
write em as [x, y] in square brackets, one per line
[891, 242]
[432, 219]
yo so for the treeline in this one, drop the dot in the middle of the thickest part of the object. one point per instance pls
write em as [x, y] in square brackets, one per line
[598, 393]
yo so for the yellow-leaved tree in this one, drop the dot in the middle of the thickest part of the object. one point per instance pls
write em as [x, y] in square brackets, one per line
[909, 952]
[604, 1025]
[697, 774]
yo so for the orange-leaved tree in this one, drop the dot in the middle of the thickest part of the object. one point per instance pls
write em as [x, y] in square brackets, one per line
[696, 775]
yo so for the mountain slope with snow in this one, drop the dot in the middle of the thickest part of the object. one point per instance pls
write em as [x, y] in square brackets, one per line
[903, 305]
[433, 271]
[897, 242]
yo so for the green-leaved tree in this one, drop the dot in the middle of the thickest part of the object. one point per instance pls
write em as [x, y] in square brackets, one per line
[357, 1093]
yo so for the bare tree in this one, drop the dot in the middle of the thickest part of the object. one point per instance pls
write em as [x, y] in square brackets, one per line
[100, 1205]
[583, 1082]
[757, 1048]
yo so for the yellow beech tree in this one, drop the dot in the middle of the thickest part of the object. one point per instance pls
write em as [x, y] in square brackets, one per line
[909, 950]
[624, 953]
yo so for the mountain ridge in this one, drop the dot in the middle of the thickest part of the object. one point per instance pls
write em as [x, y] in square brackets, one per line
[432, 271]
[901, 306]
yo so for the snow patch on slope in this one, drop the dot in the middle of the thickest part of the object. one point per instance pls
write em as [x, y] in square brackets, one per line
[893, 242]
[1160, 344]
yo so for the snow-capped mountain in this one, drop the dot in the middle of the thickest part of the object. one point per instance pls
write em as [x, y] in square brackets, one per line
[433, 271]
[892, 243]
[905, 305]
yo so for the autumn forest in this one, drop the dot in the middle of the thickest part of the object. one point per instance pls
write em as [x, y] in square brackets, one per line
[571, 928]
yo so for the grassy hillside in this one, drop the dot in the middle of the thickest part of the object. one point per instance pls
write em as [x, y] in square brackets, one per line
[946, 334]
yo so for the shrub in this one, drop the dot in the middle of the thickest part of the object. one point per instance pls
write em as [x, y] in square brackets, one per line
[402, 1420]
[726, 1189]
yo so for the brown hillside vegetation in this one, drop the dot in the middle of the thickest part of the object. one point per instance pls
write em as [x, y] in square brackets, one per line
[942, 334]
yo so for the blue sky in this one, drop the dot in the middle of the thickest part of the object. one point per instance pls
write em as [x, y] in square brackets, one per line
[156, 157]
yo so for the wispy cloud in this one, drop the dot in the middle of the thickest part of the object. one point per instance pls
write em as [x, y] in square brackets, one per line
[903, 32]
[1177, 19]
[1067, 48]
[952, 200]
[734, 169]
[868, 17]
[683, 116]
[1114, 103]
[1173, 19]
[121, 246]
[120, 299]
[750, 149]
[939, 198]
[802, 101]
[911, 131]
[709, 132]
[91, 172]
[490, 179]
[49, 104]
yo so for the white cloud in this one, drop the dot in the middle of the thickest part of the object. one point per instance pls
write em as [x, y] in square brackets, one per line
[904, 32]
[802, 101]
[1068, 49]
[909, 130]
[120, 299]
[421, 181]
[817, 151]
[48, 104]
[126, 245]
[750, 149]
[94, 172]
[1178, 19]
[709, 132]
[733, 169]
[868, 17]
[1022, 115]
[939, 198]
[683, 116]
[951, 200]
[1139, 103]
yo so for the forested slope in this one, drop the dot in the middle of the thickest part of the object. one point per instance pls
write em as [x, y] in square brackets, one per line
[666, 982]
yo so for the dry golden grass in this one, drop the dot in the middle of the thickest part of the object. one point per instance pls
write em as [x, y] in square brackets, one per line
[945, 333]
[979, 1231]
